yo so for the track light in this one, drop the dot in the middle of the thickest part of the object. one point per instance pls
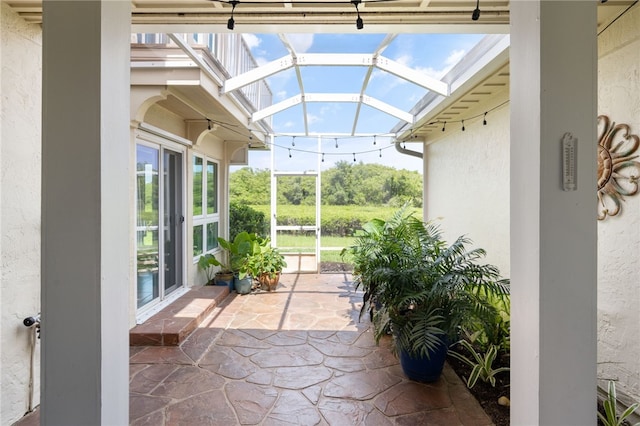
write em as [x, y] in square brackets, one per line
[476, 13]
[231, 23]
[359, 23]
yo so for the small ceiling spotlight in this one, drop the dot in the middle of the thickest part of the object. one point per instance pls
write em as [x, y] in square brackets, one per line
[359, 23]
[231, 23]
[476, 13]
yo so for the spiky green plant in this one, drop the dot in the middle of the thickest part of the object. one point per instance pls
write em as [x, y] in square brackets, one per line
[481, 365]
[610, 417]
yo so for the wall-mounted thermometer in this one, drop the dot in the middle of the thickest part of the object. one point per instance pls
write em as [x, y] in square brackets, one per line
[569, 162]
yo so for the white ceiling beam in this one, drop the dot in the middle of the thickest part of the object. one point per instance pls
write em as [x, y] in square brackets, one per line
[276, 108]
[387, 109]
[417, 77]
[333, 97]
[257, 74]
[334, 59]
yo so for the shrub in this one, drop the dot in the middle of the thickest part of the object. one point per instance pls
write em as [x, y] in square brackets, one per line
[245, 218]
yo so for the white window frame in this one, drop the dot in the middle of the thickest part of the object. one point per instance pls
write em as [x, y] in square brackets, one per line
[206, 218]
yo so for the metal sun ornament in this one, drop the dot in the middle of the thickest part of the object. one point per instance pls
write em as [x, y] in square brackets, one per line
[618, 172]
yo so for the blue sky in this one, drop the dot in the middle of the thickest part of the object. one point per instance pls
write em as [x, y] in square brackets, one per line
[432, 54]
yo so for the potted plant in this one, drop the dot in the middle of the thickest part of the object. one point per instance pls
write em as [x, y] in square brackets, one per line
[223, 276]
[240, 250]
[266, 265]
[423, 290]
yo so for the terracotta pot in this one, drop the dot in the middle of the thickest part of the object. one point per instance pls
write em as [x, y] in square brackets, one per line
[267, 283]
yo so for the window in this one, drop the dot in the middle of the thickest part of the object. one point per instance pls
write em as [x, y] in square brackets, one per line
[206, 215]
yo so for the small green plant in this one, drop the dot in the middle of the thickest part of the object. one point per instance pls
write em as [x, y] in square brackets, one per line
[266, 259]
[610, 417]
[206, 264]
[240, 250]
[482, 366]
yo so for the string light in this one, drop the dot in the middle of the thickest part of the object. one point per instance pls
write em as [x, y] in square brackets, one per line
[476, 13]
[240, 130]
[359, 23]
[354, 157]
[463, 121]
[231, 23]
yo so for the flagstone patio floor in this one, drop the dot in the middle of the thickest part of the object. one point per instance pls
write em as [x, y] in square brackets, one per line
[296, 356]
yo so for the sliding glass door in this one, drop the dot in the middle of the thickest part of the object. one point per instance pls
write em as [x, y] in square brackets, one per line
[159, 223]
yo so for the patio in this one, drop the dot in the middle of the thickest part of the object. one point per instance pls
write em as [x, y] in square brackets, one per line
[295, 356]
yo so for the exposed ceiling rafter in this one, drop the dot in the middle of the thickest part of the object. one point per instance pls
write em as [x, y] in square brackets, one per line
[333, 97]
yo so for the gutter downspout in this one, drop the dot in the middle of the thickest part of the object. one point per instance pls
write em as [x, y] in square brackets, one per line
[420, 155]
[406, 151]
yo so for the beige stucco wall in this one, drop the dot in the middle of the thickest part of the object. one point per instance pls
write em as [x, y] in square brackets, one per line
[205, 143]
[467, 183]
[21, 88]
[619, 236]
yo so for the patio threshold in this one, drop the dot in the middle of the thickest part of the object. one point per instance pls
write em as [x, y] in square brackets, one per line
[173, 324]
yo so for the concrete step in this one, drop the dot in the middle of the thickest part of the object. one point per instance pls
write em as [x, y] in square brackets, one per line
[173, 324]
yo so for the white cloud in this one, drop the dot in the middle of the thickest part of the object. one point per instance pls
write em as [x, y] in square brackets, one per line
[301, 42]
[313, 119]
[333, 108]
[453, 58]
[252, 40]
[405, 60]
[281, 95]
[260, 60]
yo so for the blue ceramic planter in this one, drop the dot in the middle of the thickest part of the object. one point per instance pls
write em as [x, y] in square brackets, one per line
[225, 279]
[423, 369]
[243, 286]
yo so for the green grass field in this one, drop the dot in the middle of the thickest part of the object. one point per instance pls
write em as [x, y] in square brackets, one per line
[305, 242]
[371, 212]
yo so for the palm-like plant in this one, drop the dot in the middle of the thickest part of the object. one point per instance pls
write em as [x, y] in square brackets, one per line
[420, 287]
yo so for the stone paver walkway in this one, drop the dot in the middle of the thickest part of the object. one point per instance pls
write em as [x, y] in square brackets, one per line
[297, 356]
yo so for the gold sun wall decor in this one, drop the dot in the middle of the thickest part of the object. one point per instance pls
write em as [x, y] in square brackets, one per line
[618, 172]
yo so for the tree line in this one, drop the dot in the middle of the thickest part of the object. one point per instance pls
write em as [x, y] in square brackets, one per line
[344, 184]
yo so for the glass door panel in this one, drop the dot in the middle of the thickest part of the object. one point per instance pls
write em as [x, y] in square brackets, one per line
[159, 223]
[173, 220]
[296, 227]
[147, 224]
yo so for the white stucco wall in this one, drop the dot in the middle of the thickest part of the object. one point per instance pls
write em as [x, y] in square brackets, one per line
[467, 184]
[20, 160]
[619, 236]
